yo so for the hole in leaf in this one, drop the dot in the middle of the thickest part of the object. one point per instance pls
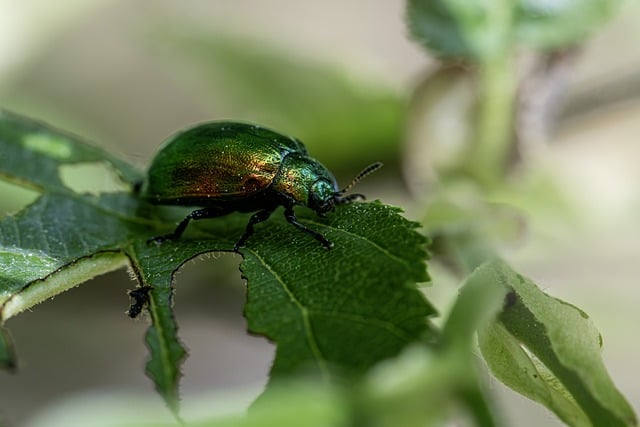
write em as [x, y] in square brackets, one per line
[15, 197]
[49, 145]
[92, 177]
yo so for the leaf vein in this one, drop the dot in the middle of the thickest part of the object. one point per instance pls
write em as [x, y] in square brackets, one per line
[304, 311]
[371, 242]
[380, 323]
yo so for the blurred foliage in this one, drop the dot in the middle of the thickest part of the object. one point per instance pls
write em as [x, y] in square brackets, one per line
[473, 196]
[439, 127]
[428, 385]
[340, 118]
[486, 37]
[482, 30]
[550, 351]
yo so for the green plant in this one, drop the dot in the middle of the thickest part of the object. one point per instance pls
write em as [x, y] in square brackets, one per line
[355, 340]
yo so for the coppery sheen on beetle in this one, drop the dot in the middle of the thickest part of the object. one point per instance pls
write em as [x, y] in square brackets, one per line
[225, 167]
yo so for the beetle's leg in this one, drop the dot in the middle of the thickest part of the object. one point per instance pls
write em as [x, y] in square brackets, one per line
[290, 215]
[182, 226]
[255, 218]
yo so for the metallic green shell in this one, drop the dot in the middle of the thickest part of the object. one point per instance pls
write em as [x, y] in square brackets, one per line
[217, 161]
[297, 175]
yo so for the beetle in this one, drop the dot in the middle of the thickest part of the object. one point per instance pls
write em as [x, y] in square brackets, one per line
[225, 167]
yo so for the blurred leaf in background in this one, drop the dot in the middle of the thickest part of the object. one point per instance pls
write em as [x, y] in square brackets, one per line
[553, 24]
[550, 351]
[341, 118]
[488, 38]
[480, 30]
[474, 30]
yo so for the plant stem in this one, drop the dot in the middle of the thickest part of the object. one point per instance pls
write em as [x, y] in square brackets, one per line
[494, 119]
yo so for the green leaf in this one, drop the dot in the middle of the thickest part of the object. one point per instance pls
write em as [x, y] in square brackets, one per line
[549, 351]
[547, 24]
[155, 269]
[479, 30]
[473, 30]
[323, 305]
[292, 404]
[422, 385]
[481, 298]
[337, 312]
[32, 154]
[65, 237]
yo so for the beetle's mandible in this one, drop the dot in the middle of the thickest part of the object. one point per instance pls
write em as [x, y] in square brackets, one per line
[225, 167]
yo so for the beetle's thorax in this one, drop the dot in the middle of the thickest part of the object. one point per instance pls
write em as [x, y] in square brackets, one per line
[298, 179]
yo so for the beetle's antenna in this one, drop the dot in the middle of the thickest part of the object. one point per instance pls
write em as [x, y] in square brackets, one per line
[365, 172]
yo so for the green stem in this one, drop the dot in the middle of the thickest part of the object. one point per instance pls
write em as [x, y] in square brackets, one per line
[479, 408]
[494, 119]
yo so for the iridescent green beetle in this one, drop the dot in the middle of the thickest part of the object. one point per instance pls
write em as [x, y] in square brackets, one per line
[226, 167]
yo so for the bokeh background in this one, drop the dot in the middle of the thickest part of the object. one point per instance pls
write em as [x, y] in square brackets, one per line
[340, 75]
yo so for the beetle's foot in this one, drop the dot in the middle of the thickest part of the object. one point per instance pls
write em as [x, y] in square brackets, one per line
[328, 245]
[240, 243]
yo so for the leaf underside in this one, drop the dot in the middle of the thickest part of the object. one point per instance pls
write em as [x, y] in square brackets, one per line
[550, 351]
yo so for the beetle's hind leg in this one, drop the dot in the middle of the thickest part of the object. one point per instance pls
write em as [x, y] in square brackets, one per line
[290, 215]
[182, 225]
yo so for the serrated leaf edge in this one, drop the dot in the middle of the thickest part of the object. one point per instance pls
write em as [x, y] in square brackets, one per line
[171, 372]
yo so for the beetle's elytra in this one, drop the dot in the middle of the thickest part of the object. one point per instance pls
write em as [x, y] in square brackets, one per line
[225, 167]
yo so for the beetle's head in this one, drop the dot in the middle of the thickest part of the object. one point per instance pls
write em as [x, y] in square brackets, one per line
[323, 197]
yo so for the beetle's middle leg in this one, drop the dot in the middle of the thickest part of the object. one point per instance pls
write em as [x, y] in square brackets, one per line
[182, 226]
[290, 215]
[257, 217]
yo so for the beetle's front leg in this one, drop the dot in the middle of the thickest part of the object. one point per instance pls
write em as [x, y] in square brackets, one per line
[255, 218]
[290, 215]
